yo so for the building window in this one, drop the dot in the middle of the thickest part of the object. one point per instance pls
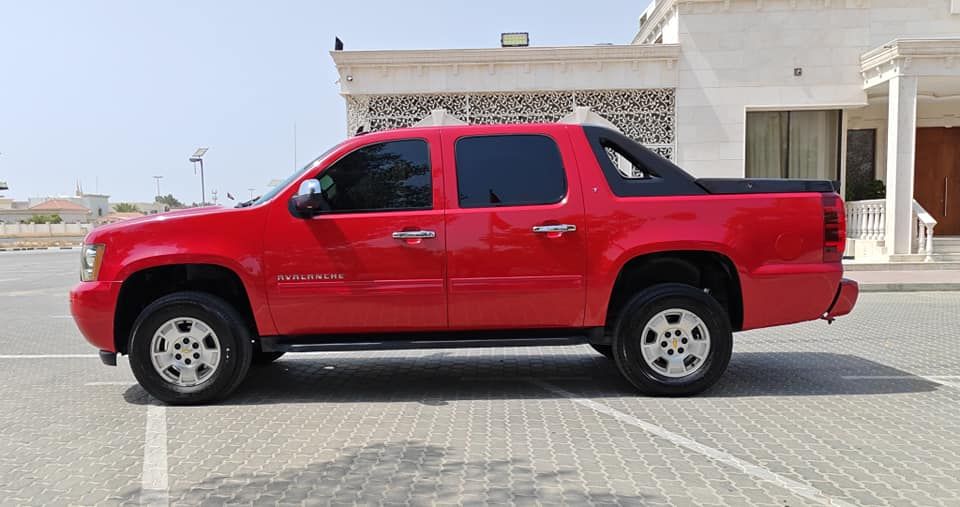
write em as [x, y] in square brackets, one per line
[793, 144]
[861, 174]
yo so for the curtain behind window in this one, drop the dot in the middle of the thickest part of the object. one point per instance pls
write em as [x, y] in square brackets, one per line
[767, 144]
[814, 145]
[793, 144]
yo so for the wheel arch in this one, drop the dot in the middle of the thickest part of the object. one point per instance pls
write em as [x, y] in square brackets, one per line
[143, 286]
[710, 270]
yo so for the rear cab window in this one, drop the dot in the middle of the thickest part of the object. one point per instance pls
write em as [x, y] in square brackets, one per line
[509, 170]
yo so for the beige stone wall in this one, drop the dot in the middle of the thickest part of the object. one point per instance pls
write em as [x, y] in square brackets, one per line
[22, 231]
[630, 85]
[740, 55]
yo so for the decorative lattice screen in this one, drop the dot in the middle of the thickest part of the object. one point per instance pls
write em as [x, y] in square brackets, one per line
[646, 115]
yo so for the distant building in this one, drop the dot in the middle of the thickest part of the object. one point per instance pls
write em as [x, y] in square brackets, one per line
[17, 211]
[98, 204]
[117, 216]
[151, 208]
[69, 211]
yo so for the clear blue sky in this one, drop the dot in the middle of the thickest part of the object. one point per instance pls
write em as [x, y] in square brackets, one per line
[114, 92]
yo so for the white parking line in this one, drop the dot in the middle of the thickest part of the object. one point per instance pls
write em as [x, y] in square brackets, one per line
[153, 485]
[944, 380]
[763, 474]
[52, 291]
[109, 384]
[520, 379]
[48, 356]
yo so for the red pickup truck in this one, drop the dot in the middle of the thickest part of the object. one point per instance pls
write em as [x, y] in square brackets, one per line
[467, 236]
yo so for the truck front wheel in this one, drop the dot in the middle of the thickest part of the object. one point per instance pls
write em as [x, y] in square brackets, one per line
[190, 347]
[672, 340]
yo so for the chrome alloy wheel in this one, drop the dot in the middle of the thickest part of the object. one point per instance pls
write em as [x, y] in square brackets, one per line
[185, 351]
[675, 343]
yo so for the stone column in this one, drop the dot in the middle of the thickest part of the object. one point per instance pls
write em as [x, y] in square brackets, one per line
[901, 140]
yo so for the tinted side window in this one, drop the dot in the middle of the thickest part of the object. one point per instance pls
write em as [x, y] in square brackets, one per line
[509, 170]
[386, 176]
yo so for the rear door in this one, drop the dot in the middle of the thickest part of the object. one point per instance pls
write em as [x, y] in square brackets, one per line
[374, 260]
[515, 230]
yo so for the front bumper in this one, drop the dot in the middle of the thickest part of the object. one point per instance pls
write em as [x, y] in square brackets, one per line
[92, 305]
[845, 301]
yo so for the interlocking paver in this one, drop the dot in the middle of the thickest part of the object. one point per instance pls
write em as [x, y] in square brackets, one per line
[853, 409]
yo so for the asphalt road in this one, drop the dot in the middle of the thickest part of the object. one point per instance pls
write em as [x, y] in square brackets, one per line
[866, 411]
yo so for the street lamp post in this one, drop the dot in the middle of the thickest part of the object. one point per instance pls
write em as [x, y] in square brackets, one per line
[158, 178]
[198, 157]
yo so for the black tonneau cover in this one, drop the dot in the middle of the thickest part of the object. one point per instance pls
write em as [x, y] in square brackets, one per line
[665, 178]
[763, 186]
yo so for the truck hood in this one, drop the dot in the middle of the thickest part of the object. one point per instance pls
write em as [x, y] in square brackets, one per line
[145, 220]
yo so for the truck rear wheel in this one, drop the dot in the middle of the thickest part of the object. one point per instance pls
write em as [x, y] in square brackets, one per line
[190, 347]
[672, 340]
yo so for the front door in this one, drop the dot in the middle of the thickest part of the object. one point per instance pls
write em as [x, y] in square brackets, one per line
[515, 232]
[937, 177]
[373, 260]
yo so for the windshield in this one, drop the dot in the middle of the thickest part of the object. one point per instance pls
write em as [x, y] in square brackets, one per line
[289, 179]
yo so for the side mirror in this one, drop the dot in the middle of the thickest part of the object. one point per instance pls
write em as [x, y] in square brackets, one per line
[308, 199]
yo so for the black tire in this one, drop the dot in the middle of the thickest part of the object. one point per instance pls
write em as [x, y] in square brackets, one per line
[261, 358]
[648, 304]
[604, 350]
[235, 346]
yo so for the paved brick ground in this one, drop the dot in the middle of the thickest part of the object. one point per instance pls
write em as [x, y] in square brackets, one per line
[866, 411]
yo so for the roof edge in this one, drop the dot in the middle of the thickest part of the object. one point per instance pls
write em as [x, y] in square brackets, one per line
[928, 47]
[611, 52]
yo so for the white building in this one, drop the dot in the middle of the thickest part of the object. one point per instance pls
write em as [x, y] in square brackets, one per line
[12, 212]
[151, 208]
[97, 204]
[847, 90]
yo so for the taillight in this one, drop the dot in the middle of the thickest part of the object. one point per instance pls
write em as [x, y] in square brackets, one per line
[834, 228]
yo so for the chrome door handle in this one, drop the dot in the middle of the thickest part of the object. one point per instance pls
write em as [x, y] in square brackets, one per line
[414, 235]
[546, 229]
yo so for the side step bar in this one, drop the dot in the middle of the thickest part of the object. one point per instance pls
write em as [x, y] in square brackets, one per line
[283, 344]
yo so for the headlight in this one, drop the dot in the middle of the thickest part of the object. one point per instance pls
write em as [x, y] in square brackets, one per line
[90, 257]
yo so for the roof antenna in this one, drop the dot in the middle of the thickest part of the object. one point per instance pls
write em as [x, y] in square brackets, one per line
[337, 44]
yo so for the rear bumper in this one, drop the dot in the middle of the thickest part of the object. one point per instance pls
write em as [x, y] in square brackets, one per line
[846, 299]
[92, 305]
